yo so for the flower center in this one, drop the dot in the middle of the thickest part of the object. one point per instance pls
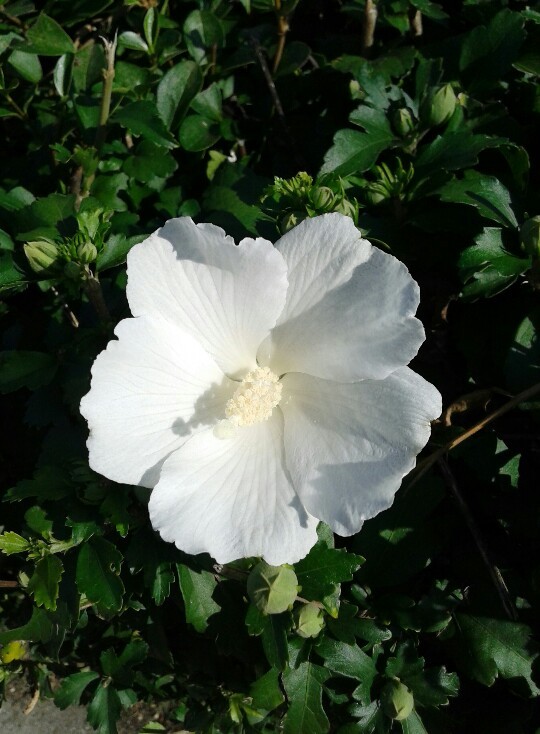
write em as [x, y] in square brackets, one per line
[255, 398]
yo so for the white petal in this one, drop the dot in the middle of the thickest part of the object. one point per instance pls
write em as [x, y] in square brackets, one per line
[228, 297]
[232, 498]
[348, 446]
[350, 307]
[150, 391]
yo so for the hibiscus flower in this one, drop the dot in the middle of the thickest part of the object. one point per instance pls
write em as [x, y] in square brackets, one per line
[259, 388]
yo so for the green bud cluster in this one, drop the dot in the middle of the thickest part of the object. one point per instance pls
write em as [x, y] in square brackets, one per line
[309, 620]
[301, 197]
[390, 183]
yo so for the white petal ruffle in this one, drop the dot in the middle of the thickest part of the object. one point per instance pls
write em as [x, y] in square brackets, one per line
[150, 391]
[349, 313]
[226, 296]
[348, 446]
[233, 498]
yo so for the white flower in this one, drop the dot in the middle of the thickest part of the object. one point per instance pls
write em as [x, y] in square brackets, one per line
[260, 389]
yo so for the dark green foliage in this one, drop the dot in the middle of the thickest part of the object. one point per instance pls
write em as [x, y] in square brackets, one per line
[426, 620]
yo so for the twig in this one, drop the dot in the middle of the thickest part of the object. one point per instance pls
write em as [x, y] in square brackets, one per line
[283, 27]
[368, 26]
[93, 290]
[495, 574]
[108, 78]
[20, 112]
[276, 100]
[423, 466]
[73, 320]
[9, 584]
[417, 27]
[32, 704]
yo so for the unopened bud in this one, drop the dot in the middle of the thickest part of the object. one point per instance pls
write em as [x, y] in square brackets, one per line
[347, 208]
[397, 701]
[87, 253]
[41, 255]
[290, 220]
[443, 104]
[403, 122]
[322, 198]
[309, 620]
[374, 197]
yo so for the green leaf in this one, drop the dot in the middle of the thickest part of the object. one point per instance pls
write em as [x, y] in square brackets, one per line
[104, 710]
[487, 267]
[26, 65]
[323, 568]
[454, 150]
[45, 581]
[486, 193]
[202, 30]
[429, 9]
[486, 648]
[38, 629]
[350, 661]
[198, 133]
[115, 251]
[47, 38]
[72, 687]
[197, 588]
[120, 669]
[133, 41]
[49, 483]
[11, 542]
[413, 724]
[176, 90]
[303, 687]
[148, 161]
[209, 103]
[522, 364]
[11, 277]
[25, 369]
[266, 691]
[97, 575]
[354, 152]
[272, 589]
[274, 639]
[142, 118]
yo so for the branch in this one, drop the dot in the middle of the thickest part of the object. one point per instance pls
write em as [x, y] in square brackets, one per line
[495, 574]
[423, 466]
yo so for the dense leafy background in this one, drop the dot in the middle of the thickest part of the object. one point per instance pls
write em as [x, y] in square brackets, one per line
[419, 121]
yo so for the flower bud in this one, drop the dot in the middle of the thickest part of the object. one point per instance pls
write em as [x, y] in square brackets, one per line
[322, 198]
[272, 589]
[309, 620]
[530, 236]
[347, 208]
[443, 104]
[396, 700]
[290, 220]
[374, 197]
[403, 122]
[41, 255]
[87, 253]
[72, 271]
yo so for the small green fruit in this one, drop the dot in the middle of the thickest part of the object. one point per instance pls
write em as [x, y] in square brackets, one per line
[397, 701]
[41, 255]
[309, 620]
[272, 589]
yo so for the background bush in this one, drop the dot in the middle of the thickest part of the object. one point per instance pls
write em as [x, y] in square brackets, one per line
[418, 120]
